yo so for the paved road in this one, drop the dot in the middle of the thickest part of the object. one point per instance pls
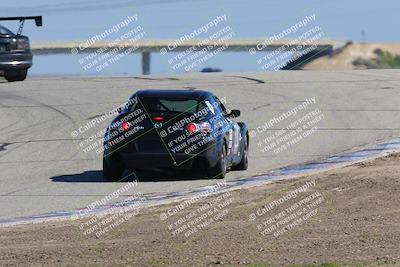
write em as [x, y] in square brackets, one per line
[43, 168]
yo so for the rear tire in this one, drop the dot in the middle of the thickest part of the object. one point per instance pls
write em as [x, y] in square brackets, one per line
[219, 171]
[16, 75]
[244, 163]
[112, 171]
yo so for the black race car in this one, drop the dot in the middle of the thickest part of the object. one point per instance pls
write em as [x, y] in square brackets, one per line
[15, 52]
[163, 130]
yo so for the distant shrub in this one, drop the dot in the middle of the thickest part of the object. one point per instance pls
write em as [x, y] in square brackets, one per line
[383, 60]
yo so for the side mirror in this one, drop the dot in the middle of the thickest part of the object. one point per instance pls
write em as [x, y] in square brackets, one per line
[234, 113]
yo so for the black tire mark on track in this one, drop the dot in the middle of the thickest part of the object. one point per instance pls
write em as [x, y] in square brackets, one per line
[3, 146]
[23, 117]
[249, 78]
[261, 106]
[47, 161]
[36, 102]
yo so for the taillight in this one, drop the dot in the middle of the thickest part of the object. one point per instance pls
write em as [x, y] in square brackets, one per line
[125, 126]
[203, 127]
[191, 127]
[159, 118]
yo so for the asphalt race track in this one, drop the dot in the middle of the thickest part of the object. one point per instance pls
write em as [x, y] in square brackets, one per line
[44, 169]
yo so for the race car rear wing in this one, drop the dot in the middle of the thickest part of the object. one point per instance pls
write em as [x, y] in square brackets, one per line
[38, 21]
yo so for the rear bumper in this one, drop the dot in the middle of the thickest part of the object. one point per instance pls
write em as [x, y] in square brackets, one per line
[166, 161]
[154, 155]
[158, 161]
[15, 61]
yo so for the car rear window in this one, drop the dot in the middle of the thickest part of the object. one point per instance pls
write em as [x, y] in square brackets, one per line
[157, 105]
[5, 31]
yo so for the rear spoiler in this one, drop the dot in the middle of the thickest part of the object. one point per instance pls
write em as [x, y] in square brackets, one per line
[38, 21]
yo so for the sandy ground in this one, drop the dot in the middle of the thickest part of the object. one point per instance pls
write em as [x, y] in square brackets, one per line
[344, 216]
[344, 60]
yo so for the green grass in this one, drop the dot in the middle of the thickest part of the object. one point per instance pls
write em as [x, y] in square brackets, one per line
[383, 60]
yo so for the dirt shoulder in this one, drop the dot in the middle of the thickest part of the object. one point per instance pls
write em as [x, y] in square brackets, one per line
[345, 216]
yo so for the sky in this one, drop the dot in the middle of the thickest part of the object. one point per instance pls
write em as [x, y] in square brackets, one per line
[79, 20]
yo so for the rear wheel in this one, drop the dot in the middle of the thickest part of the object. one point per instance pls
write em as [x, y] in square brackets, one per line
[16, 75]
[244, 163]
[219, 171]
[112, 170]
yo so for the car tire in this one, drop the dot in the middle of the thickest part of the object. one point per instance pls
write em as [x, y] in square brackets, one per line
[244, 163]
[16, 75]
[112, 171]
[219, 171]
